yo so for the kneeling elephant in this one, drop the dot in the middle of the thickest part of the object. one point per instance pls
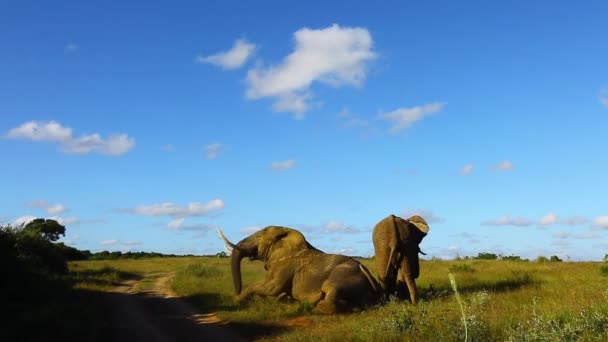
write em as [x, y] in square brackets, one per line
[330, 282]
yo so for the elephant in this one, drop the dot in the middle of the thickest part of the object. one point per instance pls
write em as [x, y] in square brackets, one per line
[396, 246]
[332, 283]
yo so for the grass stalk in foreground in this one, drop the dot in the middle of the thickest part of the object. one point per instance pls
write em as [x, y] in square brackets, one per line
[464, 318]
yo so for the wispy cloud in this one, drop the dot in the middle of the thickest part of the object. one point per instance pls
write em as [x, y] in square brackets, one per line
[178, 214]
[580, 236]
[132, 243]
[233, 58]
[23, 220]
[508, 221]
[283, 165]
[108, 242]
[349, 119]
[214, 150]
[427, 215]
[70, 48]
[175, 211]
[466, 169]
[168, 148]
[503, 165]
[335, 226]
[250, 230]
[547, 219]
[52, 131]
[51, 208]
[334, 55]
[601, 222]
[603, 96]
[402, 118]
[550, 218]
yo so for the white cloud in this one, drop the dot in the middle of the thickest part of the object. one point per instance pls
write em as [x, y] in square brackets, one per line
[294, 103]
[403, 118]
[427, 215]
[51, 208]
[233, 58]
[549, 218]
[466, 169]
[562, 235]
[601, 222]
[214, 150]
[175, 211]
[335, 226]
[23, 220]
[250, 230]
[70, 48]
[334, 55]
[283, 165]
[64, 221]
[176, 223]
[53, 131]
[503, 165]
[508, 221]
[50, 131]
[108, 242]
[604, 96]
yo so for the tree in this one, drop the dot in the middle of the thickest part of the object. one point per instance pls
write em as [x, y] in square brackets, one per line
[48, 229]
[555, 258]
[221, 254]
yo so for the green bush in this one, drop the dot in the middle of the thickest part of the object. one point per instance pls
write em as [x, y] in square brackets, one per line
[486, 256]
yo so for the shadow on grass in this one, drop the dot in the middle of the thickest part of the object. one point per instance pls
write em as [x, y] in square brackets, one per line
[519, 280]
[147, 316]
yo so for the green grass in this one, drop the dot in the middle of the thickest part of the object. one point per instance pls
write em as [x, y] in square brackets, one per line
[501, 301]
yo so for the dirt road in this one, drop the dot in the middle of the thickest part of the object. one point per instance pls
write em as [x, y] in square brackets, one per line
[158, 315]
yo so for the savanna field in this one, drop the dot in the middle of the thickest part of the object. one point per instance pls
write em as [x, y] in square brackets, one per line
[489, 300]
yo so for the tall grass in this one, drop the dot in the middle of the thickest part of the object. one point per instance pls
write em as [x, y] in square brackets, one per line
[501, 301]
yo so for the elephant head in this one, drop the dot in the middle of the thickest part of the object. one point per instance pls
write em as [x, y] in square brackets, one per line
[272, 242]
[397, 245]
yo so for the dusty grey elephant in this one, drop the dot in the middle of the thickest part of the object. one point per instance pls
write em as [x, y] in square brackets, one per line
[396, 244]
[330, 282]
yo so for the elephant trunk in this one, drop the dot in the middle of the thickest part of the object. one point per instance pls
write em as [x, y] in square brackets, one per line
[235, 260]
[411, 270]
[245, 248]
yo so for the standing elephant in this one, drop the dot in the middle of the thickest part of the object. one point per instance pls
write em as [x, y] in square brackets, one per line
[396, 244]
[330, 282]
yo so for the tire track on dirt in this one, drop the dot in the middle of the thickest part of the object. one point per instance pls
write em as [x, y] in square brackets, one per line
[158, 314]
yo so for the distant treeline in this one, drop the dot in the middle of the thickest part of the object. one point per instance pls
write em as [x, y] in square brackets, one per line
[493, 256]
[73, 254]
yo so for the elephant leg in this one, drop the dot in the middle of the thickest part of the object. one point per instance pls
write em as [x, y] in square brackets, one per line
[263, 288]
[328, 303]
[407, 279]
[387, 268]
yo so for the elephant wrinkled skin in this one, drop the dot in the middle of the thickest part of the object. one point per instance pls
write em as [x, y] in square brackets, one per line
[396, 244]
[330, 282]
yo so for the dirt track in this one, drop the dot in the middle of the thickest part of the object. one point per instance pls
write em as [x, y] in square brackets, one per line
[158, 315]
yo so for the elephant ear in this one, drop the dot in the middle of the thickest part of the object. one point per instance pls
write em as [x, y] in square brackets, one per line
[420, 223]
[282, 241]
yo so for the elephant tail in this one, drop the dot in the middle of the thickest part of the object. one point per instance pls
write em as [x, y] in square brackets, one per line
[372, 281]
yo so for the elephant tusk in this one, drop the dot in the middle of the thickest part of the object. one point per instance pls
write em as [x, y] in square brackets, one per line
[228, 250]
[233, 246]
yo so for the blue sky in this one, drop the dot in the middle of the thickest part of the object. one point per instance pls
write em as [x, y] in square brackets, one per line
[145, 126]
